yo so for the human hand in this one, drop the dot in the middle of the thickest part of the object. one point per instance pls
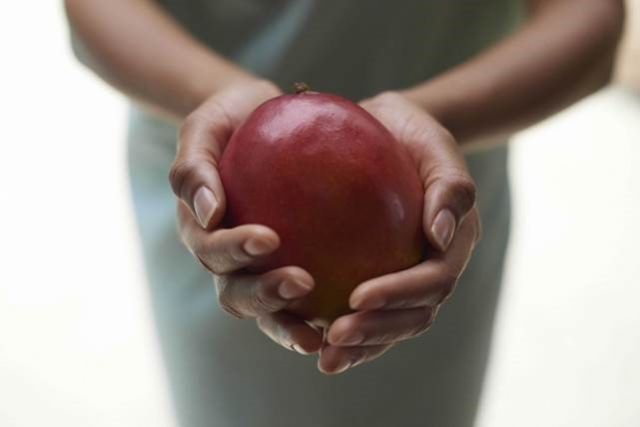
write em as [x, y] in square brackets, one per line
[403, 305]
[225, 252]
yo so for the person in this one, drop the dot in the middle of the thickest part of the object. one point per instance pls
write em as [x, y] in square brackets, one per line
[446, 77]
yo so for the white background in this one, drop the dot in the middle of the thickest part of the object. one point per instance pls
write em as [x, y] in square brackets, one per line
[77, 346]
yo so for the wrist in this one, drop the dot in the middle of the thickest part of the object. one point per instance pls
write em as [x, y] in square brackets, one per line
[432, 102]
[202, 87]
[456, 111]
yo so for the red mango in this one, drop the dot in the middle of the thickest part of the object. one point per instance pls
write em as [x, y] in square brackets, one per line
[343, 195]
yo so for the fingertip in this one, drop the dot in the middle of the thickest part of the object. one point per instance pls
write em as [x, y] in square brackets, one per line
[298, 349]
[364, 297]
[288, 283]
[265, 232]
[442, 229]
[307, 343]
[357, 300]
[297, 274]
[337, 330]
[330, 361]
[291, 332]
[292, 288]
[256, 247]
[260, 240]
[205, 205]
[297, 283]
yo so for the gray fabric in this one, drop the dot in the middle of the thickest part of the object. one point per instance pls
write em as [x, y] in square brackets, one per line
[352, 47]
[224, 372]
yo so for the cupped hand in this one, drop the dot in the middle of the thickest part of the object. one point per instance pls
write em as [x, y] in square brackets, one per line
[399, 306]
[226, 252]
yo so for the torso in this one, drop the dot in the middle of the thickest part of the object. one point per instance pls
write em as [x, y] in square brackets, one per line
[224, 372]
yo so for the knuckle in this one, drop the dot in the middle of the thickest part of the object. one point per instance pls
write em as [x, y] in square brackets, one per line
[453, 184]
[464, 189]
[263, 303]
[227, 262]
[185, 173]
[179, 173]
[224, 253]
[237, 256]
[203, 263]
[232, 311]
[197, 247]
[227, 303]
[219, 265]
[202, 252]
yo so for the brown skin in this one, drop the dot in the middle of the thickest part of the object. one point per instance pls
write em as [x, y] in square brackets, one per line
[136, 47]
[563, 53]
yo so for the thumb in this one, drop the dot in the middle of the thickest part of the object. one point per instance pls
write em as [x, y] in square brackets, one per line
[448, 200]
[204, 134]
[450, 191]
[194, 175]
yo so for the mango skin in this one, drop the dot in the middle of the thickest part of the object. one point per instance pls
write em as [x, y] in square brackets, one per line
[343, 195]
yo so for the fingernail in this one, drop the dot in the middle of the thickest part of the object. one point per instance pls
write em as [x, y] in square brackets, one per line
[257, 247]
[352, 339]
[342, 366]
[205, 204]
[443, 228]
[374, 302]
[292, 289]
[299, 349]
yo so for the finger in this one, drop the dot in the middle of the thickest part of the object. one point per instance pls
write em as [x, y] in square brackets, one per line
[226, 250]
[203, 135]
[450, 194]
[450, 191]
[258, 295]
[368, 328]
[335, 360]
[291, 332]
[428, 283]
[194, 176]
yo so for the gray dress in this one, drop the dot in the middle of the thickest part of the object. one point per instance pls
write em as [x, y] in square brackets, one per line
[224, 372]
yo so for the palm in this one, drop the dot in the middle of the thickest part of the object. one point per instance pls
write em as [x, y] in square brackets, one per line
[412, 296]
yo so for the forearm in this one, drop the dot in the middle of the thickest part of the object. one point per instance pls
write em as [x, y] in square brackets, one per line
[564, 52]
[136, 47]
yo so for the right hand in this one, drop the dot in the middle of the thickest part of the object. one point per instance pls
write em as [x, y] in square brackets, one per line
[226, 252]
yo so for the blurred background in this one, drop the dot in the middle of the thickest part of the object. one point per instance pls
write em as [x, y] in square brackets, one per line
[77, 344]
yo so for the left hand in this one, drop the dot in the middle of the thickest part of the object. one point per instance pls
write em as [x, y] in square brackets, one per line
[403, 305]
